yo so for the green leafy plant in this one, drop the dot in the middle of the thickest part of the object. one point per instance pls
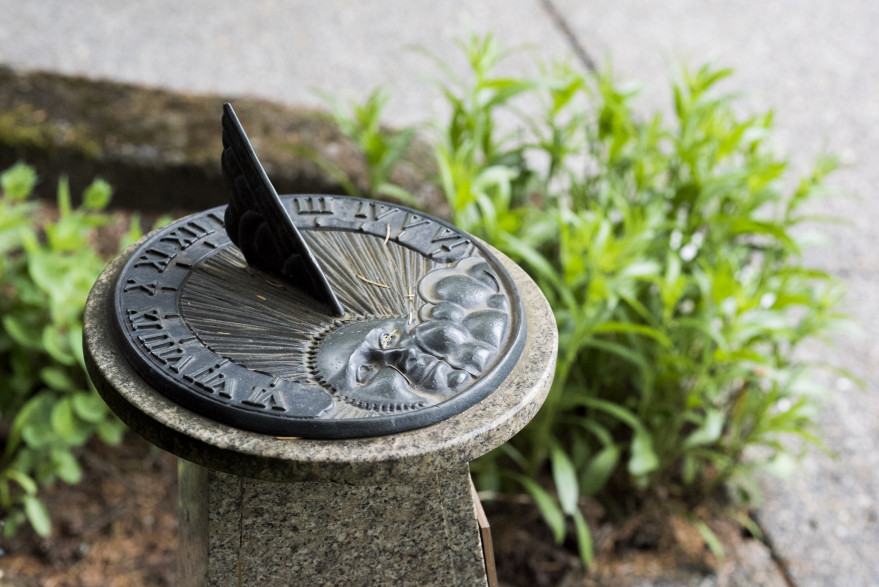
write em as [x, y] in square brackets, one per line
[670, 254]
[382, 148]
[47, 405]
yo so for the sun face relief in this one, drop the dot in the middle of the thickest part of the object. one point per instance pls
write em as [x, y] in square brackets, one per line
[372, 319]
[393, 363]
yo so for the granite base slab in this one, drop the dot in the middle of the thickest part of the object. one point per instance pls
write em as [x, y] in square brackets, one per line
[262, 533]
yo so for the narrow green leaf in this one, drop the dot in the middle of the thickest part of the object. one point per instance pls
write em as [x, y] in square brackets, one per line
[515, 454]
[489, 478]
[56, 344]
[613, 409]
[641, 269]
[162, 221]
[622, 351]
[599, 470]
[24, 481]
[74, 341]
[749, 524]
[565, 477]
[334, 171]
[689, 469]
[133, 234]
[21, 333]
[550, 511]
[599, 431]
[584, 539]
[710, 538]
[64, 205]
[22, 420]
[37, 515]
[709, 432]
[541, 267]
[66, 466]
[643, 459]
[389, 189]
[57, 378]
[630, 328]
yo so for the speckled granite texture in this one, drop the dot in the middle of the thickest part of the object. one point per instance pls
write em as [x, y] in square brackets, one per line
[324, 533]
[389, 510]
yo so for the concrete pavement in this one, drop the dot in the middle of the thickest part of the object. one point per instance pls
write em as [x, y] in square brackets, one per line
[813, 61]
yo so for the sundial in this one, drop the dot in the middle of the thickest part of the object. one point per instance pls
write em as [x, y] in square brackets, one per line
[315, 316]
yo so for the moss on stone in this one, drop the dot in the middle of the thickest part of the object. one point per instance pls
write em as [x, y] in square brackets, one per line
[161, 149]
[25, 126]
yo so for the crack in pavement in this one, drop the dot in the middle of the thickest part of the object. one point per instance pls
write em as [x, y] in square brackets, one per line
[777, 559]
[562, 24]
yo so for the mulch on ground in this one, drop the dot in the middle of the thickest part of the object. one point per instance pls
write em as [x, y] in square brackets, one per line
[118, 528]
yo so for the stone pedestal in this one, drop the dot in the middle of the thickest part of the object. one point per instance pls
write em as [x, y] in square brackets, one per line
[388, 510]
[313, 533]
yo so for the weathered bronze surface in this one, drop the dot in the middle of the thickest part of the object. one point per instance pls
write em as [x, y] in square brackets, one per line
[314, 315]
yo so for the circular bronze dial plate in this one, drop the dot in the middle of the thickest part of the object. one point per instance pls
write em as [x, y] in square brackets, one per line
[432, 322]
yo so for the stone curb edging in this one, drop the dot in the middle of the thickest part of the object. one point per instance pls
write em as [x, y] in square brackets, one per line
[160, 149]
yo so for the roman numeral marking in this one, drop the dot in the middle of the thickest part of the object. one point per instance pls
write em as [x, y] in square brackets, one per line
[212, 380]
[163, 346]
[218, 218]
[266, 397]
[149, 319]
[371, 211]
[313, 205]
[412, 221]
[446, 234]
[149, 287]
[185, 236]
[155, 258]
[450, 240]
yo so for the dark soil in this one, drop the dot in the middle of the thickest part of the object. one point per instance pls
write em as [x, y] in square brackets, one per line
[118, 527]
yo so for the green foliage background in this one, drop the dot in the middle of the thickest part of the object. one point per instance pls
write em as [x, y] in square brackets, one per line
[47, 405]
[669, 252]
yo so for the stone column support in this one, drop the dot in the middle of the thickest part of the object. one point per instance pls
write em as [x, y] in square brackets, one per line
[387, 510]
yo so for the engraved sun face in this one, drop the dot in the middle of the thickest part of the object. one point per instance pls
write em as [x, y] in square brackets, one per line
[392, 365]
[378, 363]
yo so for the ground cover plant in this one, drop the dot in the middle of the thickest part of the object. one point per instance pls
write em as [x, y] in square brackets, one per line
[669, 250]
[48, 407]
